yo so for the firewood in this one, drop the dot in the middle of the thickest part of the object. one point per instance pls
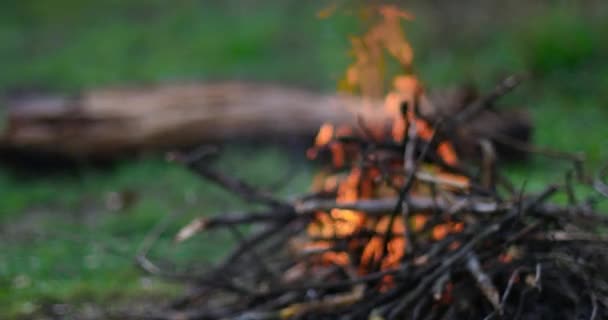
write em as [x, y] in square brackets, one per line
[468, 250]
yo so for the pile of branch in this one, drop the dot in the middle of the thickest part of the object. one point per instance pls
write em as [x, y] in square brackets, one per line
[517, 255]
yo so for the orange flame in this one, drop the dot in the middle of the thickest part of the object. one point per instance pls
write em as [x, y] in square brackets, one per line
[366, 76]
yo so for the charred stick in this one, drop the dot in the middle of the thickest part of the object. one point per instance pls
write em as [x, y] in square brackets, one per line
[410, 166]
[576, 158]
[594, 307]
[432, 314]
[547, 152]
[280, 302]
[403, 203]
[371, 277]
[484, 283]
[305, 210]
[436, 180]
[239, 187]
[523, 232]
[506, 183]
[245, 245]
[236, 218]
[599, 184]
[486, 101]
[141, 257]
[434, 195]
[255, 255]
[488, 167]
[540, 198]
[563, 236]
[410, 244]
[439, 285]
[144, 263]
[446, 264]
[376, 302]
[536, 282]
[450, 313]
[328, 303]
[382, 207]
[512, 279]
[417, 203]
[425, 301]
[572, 202]
[434, 250]
[364, 144]
[409, 162]
[522, 302]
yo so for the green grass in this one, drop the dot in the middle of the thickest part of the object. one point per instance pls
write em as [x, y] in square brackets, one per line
[92, 43]
[58, 239]
[65, 244]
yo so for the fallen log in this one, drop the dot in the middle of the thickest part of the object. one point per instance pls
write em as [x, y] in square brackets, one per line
[102, 123]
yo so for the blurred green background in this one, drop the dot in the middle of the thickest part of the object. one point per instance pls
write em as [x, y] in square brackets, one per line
[61, 242]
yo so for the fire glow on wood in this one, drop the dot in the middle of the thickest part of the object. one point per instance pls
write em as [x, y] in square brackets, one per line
[398, 226]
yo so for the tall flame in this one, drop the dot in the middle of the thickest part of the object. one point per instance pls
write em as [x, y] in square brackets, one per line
[366, 77]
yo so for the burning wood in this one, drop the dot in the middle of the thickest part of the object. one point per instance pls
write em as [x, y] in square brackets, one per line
[471, 255]
[399, 225]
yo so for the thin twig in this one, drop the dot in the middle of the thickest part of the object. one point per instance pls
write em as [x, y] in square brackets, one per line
[484, 282]
[599, 184]
[486, 101]
[141, 257]
[594, 307]
[196, 162]
[445, 265]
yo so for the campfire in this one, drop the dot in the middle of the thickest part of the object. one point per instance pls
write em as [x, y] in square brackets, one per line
[399, 225]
